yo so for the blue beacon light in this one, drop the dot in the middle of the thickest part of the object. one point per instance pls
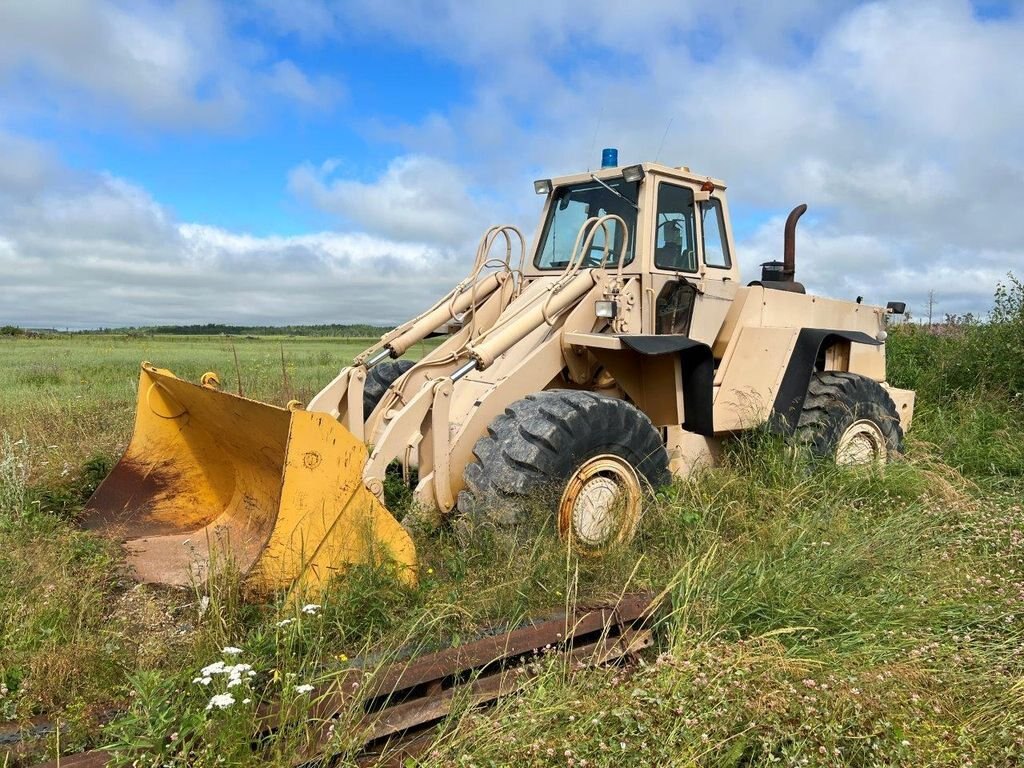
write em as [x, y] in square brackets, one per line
[609, 157]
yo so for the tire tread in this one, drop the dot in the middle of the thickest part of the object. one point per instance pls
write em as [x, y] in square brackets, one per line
[835, 399]
[378, 380]
[542, 438]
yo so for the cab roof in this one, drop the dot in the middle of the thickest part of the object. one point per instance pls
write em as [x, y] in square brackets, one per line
[681, 173]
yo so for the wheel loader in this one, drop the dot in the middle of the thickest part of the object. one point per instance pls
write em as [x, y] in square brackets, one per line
[614, 352]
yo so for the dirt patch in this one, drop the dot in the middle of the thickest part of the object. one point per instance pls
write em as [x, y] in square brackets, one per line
[158, 621]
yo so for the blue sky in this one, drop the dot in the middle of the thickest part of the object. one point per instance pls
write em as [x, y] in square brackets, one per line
[233, 177]
[314, 161]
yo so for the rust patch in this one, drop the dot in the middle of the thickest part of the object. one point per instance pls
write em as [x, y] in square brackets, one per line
[124, 503]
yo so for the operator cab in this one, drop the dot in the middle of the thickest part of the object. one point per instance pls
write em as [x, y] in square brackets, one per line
[674, 219]
[668, 227]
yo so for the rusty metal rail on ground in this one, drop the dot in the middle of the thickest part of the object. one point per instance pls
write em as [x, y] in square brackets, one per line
[391, 710]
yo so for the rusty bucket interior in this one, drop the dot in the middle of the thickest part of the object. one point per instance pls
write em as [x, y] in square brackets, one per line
[213, 479]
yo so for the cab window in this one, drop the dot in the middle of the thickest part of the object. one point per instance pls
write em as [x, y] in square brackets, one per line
[674, 241]
[571, 206]
[716, 252]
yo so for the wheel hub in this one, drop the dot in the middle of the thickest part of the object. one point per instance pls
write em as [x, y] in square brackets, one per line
[601, 503]
[861, 443]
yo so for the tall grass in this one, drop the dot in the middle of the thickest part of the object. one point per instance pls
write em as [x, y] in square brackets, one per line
[844, 618]
[833, 617]
[969, 377]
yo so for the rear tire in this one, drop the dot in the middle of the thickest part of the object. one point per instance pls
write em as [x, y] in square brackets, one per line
[584, 456]
[378, 380]
[850, 419]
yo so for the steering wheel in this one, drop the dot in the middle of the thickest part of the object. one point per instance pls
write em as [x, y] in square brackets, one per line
[664, 224]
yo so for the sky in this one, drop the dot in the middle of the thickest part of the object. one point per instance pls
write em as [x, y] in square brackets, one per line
[307, 161]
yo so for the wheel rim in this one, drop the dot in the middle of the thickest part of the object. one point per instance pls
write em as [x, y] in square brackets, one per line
[862, 443]
[601, 504]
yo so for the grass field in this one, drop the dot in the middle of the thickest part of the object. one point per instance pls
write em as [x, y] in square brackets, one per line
[72, 397]
[837, 618]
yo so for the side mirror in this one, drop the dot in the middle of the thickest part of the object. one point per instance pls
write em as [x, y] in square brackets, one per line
[896, 307]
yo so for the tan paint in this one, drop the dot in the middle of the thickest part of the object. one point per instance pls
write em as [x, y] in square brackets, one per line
[652, 383]
[904, 400]
[541, 362]
[553, 302]
[442, 361]
[689, 452]
[752, 378]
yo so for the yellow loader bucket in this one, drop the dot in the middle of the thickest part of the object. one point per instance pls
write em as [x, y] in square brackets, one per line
[212, 476]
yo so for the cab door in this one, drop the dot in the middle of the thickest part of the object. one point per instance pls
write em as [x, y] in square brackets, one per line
[718, 272]
[672, 289]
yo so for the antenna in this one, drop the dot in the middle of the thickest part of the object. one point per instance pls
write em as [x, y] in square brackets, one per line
[663, 137]
[593, 139]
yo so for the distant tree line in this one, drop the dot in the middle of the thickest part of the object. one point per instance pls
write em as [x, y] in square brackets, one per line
[219, 329]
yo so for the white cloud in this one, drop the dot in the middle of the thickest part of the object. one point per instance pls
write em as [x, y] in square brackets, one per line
[159, 63]
[172, 65]
[932, 70]
[416, 198]
[900, 123]
[98, 251]
[26, 166]
[497, 33]
[321, 92]
[832, 263]
[311, 21]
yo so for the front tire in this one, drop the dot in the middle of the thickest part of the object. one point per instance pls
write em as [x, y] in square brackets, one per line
[587, 457]
[378, 380]
[850, 419]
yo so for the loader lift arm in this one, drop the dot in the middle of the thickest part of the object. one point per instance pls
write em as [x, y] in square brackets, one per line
[343, 397]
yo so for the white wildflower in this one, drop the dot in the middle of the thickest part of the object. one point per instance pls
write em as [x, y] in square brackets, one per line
[230, 650]
[285, 622]
[311, 608]
[213, 669]
[247, 701]
[202, 680]
[234, 681]
[204, 604]
[221, 701]
[304, 688]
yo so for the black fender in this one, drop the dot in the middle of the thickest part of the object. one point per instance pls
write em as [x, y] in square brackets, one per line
[697, 365]
[810, 344]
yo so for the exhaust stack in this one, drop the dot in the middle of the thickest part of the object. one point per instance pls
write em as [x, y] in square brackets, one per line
[789, 243]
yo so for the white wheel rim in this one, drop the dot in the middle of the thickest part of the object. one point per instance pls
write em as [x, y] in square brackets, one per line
[862, 443]
[601, 504]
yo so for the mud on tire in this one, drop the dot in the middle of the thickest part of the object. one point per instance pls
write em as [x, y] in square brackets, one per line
[839, 403]
[539, 442]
